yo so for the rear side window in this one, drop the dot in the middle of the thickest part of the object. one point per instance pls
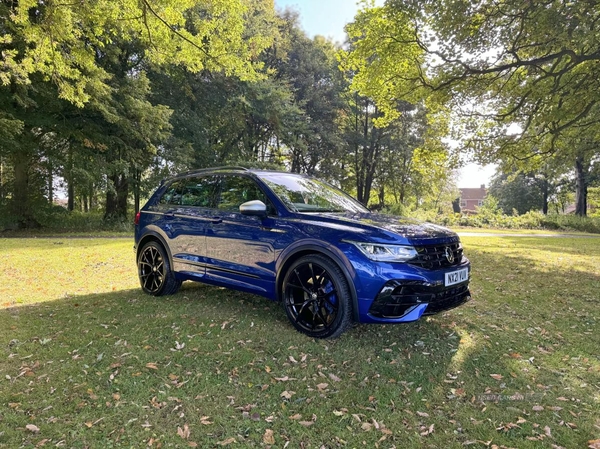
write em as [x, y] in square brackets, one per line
[173, 194]
[193, 191]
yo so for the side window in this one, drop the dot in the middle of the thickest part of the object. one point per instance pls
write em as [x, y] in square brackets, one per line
[236, 190]
[193, 191]
[200, 192]
[173, 194]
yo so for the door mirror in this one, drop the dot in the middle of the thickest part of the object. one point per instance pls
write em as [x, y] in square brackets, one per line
[254, 207]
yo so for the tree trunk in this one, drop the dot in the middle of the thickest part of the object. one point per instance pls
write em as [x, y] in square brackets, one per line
[21, 206]
[382, 196]
[580, 188]
[91, 197]
[136, 190]
[1, 178]
[116, 198]
[50, 184]
[545, 195]
[70, 184]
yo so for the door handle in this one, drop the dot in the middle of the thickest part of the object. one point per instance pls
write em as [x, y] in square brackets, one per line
[215, 220]
[169, 215]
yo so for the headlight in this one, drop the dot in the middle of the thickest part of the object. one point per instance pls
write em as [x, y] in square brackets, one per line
[386, 253]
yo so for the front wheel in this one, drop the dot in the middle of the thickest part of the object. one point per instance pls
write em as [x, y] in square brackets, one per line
[154, 271]
[316, 297]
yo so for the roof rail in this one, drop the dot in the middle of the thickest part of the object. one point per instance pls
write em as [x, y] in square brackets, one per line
[202, 170]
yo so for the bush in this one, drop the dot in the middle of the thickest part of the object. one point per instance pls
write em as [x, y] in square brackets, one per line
[531, 220]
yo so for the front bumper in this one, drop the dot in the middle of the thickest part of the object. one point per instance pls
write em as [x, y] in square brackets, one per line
[398, 299]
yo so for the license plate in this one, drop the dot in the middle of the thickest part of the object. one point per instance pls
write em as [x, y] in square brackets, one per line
[456, 277]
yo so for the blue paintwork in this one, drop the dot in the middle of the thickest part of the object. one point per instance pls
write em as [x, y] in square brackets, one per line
[248, 253]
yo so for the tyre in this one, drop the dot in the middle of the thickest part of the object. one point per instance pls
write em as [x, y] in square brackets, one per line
[154, 271]
[316, 297]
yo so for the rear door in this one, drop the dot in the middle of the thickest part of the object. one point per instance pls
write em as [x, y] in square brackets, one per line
[187, 208]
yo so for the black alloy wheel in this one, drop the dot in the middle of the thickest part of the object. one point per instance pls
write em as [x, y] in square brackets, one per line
[154, 270]
[316, 297]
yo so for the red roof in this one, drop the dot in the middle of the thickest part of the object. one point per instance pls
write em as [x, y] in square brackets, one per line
[477, 193]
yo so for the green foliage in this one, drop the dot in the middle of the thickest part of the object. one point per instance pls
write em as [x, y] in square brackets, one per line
[493, 218]
[520, 77]
[61, 41]
[384, 58]
[594, 201]
[516, 192]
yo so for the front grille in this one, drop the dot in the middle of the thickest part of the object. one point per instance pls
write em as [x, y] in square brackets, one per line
[434, 256]
[397, 298]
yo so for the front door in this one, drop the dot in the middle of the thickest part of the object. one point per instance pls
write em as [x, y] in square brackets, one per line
[241, 247]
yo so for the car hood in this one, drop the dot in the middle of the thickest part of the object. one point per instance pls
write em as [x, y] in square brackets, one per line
[384, 227]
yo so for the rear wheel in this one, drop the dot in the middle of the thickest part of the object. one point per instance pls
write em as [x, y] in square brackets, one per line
[316, 297]
[154, 271]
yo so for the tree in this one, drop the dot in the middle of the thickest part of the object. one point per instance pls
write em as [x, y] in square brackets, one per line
[60, 40]
[515, 192]
[88, 61]
[521, 75]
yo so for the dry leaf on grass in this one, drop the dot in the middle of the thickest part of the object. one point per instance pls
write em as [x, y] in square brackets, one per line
[185, 432]
[268, 437]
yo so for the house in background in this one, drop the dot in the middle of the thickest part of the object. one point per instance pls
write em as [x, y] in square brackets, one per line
[471, 198]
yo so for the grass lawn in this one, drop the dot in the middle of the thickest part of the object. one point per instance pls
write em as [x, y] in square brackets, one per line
[87, 360]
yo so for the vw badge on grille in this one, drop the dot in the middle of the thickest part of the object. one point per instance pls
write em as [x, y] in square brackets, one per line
[449, 255]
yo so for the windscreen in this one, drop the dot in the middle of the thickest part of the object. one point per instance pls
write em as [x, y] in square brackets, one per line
[302, 194]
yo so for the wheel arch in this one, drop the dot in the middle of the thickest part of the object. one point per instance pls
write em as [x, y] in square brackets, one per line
[314, 248]
[149, 236]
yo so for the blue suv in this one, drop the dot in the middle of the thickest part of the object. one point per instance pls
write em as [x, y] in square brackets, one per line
[296, 239]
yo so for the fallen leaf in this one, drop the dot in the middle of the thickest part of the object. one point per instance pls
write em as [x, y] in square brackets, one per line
[594, 444]
[185, 432]
[292, 359]
[32, 428]
[366, 426]
[423, 414]
[226, 442]
[296, 417]
[322, 386]
[497, 376]
[306, 423]
[334, 377]
[151, 365]
[537, 408]
[287, 394]
[268, 437]
[428, 431]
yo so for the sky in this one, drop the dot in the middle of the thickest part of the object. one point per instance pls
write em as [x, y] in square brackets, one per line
[327, 18]
[324, 17]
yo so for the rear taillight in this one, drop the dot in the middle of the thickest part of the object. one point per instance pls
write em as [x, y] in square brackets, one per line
[136, 221]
